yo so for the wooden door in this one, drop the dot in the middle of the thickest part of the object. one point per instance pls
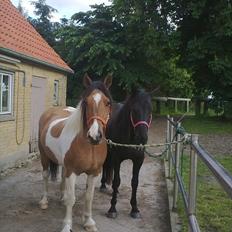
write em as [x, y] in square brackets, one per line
[38, 97]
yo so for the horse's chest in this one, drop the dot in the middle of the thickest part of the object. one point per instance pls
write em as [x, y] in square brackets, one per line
[84, 157]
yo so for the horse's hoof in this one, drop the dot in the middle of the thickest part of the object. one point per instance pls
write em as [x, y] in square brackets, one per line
[89, 224]
[43, 205]
[103, 189]
[91, 228]
[67, 228]
[135, 215]
[111, 215]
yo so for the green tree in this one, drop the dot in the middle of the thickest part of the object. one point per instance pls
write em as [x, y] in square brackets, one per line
[43, 23]
[151, 39]
[206, 44]
[130, 39]
[92, 42]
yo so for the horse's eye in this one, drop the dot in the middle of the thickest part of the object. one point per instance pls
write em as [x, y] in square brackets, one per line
[108, 103]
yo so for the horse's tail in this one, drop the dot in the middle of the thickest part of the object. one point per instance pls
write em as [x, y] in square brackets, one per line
[109, 169]
[53, 170]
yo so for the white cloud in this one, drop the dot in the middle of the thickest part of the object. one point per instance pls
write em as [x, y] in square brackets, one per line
[65, 7]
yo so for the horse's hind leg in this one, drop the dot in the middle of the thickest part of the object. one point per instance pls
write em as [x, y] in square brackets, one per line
[89, 223]
[134, 184]
[45, 163]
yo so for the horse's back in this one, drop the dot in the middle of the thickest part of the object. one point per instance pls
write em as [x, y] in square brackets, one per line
[51, 114]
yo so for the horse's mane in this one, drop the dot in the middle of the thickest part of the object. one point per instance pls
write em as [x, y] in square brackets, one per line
[95, 85]
[135, 95]
[123, 109]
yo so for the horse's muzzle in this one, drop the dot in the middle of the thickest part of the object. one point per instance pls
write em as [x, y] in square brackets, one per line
[97, 140]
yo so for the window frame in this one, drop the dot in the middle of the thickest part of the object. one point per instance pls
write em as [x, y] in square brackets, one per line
[56, 91]
[11, 92]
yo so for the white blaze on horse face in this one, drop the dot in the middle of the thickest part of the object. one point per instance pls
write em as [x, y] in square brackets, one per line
[93, 130]
[97, 98]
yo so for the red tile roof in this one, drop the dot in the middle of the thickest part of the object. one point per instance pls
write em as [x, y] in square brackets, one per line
[19, 37]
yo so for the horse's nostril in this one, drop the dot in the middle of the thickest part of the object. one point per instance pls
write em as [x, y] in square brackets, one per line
[95, 140]
[99, 136]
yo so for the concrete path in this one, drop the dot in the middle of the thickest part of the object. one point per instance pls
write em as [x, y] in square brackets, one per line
[20, 192]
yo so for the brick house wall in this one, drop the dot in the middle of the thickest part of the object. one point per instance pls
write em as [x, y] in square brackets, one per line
[15, 128]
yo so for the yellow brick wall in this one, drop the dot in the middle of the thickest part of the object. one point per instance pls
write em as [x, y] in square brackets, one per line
[17, 129]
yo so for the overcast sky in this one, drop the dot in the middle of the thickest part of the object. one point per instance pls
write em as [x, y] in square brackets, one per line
[65, 7]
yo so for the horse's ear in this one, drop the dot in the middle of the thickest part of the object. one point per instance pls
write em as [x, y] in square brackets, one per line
[154, 90]
[87, 80]
[108, 81]
[134, 89]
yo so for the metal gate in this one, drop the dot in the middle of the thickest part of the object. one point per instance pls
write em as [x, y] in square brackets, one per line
[38, 96]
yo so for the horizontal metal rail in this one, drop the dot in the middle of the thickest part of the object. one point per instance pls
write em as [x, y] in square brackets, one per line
[221, 174]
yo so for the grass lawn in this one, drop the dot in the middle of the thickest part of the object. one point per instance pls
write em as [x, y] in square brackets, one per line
[214, 207]
[207, 125]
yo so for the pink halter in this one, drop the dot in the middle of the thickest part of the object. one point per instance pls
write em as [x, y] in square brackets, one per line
[141, 122]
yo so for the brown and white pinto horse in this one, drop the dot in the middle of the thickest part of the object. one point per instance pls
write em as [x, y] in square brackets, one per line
[74, 138]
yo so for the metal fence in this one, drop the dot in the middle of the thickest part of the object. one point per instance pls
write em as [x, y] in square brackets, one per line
[173, 159]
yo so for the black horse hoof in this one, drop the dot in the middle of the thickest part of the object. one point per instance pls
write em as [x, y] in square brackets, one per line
[111, 215]
[103, 189]
[135, 215]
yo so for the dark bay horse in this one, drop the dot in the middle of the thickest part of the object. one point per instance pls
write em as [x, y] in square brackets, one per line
[75, 139]
[129, 124]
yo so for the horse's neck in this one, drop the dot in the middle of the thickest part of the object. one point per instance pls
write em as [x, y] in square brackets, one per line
[74, 121]
[123, 125]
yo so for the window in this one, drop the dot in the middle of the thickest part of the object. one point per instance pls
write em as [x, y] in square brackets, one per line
[6, 82]
[56, 93]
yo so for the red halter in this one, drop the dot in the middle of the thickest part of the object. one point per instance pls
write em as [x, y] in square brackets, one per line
[141, 122]
[103, 121]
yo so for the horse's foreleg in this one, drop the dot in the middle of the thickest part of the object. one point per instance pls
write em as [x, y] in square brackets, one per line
[134, 184]
[103, 179]
[89, 223]
[69, 201]
[112, 212]
[44, 201]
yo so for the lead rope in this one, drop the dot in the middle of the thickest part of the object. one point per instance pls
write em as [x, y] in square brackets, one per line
[179, 130]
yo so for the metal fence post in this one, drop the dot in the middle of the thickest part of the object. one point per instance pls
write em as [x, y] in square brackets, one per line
[193, 179]
[177, 162]
[167, 137]
[193, 186]
[170, 149]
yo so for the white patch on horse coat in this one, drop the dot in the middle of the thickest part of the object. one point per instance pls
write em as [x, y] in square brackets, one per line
[93, 130]
[97, 98]
[59, 146]
[70, 109]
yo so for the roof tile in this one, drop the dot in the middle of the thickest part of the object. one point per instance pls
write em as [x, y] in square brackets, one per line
[17, 34]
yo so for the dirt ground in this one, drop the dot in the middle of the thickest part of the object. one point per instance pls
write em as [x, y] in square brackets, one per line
[217, 144]
[21, 190]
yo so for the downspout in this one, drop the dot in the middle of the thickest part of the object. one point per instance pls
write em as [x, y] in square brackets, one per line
[18, 141]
